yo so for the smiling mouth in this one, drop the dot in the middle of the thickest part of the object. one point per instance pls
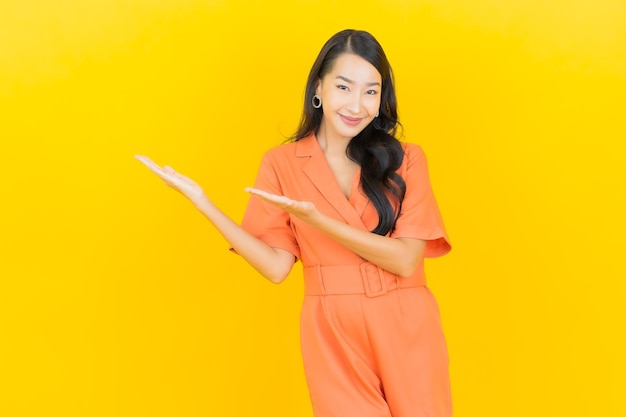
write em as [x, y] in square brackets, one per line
[352, 121]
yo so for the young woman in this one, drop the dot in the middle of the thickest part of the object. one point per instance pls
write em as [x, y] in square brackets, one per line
[355, 206]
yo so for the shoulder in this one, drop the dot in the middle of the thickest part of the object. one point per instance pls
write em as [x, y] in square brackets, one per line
[412, 154]
[290, 152]
[411, 148]
[280, 153]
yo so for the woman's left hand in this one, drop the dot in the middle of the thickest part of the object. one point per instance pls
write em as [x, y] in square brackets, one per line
[304, 210]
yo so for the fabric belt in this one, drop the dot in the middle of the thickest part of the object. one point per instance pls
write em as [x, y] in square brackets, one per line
[365, 278]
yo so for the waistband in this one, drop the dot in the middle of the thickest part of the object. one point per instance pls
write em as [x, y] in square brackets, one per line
[365, 278]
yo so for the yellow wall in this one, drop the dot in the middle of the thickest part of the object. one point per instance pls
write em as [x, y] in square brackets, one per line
[117, 299]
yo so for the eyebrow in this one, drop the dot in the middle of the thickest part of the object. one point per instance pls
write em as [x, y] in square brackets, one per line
[349, 81]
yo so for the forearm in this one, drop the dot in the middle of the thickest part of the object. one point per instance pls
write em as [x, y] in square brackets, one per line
[399, 256]
[273, 264]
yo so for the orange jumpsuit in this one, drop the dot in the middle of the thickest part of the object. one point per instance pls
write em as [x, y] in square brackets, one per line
[371, 341]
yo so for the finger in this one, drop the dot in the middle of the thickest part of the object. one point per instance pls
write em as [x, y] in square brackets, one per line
[167, 174]
[278, 200]
[168, 169]
[263, 194]
[256, 191]
[148, 162]
[144, 160]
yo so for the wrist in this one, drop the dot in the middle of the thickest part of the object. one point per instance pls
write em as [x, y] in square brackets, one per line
[317, 220]
[203, 203]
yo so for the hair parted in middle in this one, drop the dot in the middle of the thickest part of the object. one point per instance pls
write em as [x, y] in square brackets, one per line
[375, 148]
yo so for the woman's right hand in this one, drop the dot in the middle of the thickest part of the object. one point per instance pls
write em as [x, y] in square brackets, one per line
[184, 185]
[272, 263]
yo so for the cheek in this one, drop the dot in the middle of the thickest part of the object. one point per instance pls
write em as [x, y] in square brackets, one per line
[373, 105]
[333, 97]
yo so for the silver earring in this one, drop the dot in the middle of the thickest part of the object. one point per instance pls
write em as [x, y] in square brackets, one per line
[377, 113]
[317, 101]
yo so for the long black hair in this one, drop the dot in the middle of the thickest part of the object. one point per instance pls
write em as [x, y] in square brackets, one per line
[375, 148]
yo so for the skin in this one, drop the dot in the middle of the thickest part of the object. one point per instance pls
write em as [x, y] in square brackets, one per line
[350, 95]
[351, 90]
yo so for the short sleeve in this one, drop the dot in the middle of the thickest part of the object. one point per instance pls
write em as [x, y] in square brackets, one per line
[265, 221]
[420, 217]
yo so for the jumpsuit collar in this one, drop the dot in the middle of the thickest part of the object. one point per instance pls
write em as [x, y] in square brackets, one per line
[315, 166]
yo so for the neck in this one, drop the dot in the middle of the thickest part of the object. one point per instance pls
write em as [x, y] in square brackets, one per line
[332, 145]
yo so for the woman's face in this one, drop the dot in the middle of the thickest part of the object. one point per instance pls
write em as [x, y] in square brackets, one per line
[350, 95]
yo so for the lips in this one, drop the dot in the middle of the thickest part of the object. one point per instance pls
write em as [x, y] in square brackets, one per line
[351, 121]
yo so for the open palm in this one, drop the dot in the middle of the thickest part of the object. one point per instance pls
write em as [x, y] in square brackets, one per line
[301, 209]
[181, 183]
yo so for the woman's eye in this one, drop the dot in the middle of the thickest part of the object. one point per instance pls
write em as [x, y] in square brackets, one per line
[342, 87]
[372, 92]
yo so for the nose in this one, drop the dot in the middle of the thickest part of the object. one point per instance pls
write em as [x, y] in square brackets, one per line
[354, 105]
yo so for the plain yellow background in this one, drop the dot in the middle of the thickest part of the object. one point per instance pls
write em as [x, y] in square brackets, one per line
[118, 299]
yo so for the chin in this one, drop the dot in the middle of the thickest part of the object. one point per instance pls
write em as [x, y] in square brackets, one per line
[352, 132]
[357, 131]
